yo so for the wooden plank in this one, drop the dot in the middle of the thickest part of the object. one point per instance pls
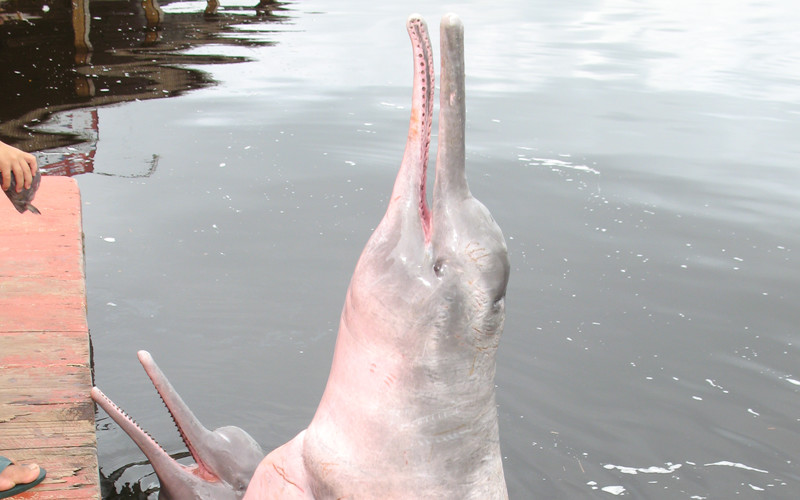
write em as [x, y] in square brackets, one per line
[32, 303]
[71, 473]
[48, 348]
[46, 412]
[27, 413]
[22, 378]
[48, 434]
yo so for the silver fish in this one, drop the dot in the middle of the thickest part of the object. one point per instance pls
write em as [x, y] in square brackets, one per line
[22, 200]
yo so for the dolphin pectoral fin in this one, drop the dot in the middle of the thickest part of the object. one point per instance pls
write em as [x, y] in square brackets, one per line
[283, 474]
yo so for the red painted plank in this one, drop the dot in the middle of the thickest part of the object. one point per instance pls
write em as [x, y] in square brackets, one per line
[71, 473]
[62, 348]
[46, 413]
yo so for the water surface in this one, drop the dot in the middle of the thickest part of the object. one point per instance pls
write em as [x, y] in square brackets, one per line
[640, 157]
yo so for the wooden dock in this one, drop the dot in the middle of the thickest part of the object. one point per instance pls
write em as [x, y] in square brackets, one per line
[46, 413]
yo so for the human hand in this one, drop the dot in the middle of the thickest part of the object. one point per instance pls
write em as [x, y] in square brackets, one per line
[18, 163]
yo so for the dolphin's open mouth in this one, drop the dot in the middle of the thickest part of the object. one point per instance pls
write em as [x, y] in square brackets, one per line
[151, 448]
[127, 423]
[117, 413]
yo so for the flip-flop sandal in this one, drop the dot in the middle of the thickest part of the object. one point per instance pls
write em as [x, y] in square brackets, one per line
[4, 462]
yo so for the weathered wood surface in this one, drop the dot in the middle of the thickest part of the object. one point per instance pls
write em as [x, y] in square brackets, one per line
[46, 413]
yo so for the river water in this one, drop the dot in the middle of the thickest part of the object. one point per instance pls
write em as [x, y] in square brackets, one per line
[641, 158]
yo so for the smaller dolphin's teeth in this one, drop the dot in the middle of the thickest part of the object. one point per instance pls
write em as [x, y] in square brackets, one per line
[183, 436]
[131, 420]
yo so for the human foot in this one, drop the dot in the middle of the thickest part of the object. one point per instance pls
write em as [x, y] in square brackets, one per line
[18, 478]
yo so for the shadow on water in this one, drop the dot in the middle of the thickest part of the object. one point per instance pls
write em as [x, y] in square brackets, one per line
[62, 63]
[112, 486]
[128, 491]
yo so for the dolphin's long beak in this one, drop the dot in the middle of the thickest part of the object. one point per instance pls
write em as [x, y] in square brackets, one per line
[408, 202]
[225, 458]
[191, 430]
[152, 450]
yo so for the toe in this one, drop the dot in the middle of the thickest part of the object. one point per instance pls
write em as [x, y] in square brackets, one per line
[18, 474]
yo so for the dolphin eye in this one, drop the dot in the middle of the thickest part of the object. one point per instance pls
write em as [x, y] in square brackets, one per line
[438, 268]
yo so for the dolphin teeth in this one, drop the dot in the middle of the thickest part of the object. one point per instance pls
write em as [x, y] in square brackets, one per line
[122, 413]
[177, 426]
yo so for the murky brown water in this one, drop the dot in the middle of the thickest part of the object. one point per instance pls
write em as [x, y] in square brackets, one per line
[641, 158]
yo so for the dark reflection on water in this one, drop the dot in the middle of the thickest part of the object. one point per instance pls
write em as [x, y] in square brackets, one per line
[640, 157]
[118, 51]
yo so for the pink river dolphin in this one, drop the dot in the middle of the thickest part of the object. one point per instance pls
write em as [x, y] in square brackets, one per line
[409, 407]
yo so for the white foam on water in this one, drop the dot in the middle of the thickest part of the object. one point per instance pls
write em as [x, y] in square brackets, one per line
[726, 463]
[614, 490]
[645, 470]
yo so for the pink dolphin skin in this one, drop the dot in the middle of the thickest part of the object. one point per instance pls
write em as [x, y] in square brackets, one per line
[409, 408]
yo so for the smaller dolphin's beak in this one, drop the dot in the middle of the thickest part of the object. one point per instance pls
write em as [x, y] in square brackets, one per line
[177, 481]
[152, 450]
[226, 458]
[190, 428]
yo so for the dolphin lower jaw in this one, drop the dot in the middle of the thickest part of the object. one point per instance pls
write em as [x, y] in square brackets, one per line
[165, 467]
[415, 158]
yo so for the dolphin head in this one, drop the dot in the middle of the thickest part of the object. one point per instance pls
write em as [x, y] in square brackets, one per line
[225, 458]
[448, 263]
